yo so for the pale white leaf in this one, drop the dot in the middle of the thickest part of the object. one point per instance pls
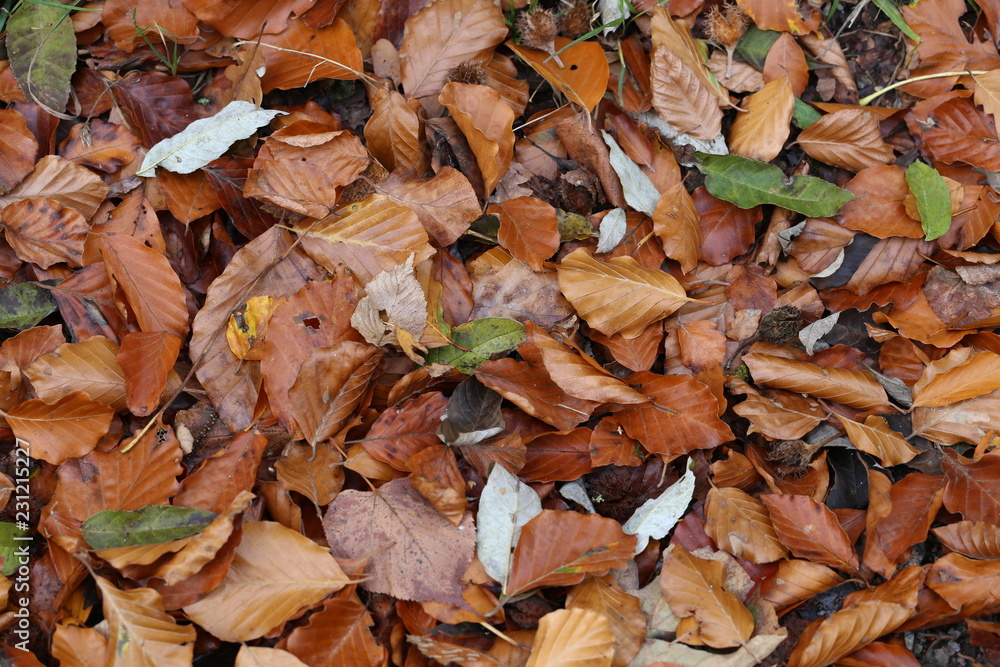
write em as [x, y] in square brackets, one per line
[574, 491]
[716, 146]
[810, 335]
[506, 505]
[640, 193]
[398, 294]
[613, 229]
[612, 11]
[832, 269]
[657, 516]
[207, 139]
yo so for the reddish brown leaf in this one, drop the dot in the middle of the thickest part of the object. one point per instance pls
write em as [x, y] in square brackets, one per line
[682, 98]
[727, 230]
[972, 489]
[402, 431]
[156, 105]
[43, 232]
[146, 359]
[878, 207]
[66, 429]
[784, 15]
[103, 146]
[445, 203]
[222, 477]
[557, 456]
[528, 229]
[975, 539]
[17, 149]
[531, 388]
[89, 367]
[299, 55]
[562, 548]
[336, 634]
[849, 139]
[740, 524]
[797, 581]
[854, 388]
[676, 223]
[785, 58]
[969, 586]
[811, 531]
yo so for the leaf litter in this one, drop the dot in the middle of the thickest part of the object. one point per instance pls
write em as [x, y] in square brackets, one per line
[370, 333]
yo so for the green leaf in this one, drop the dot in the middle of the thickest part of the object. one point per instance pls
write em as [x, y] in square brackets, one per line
[933, 199]
[747, 183]
[755, 44]
[24, 305]
[804, 114]
[890, 9]
[9, 546]
[41, 44]
[477, 341]
[206, 139]
[153, 524]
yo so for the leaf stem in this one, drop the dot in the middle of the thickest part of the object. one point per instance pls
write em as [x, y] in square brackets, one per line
[865, 101]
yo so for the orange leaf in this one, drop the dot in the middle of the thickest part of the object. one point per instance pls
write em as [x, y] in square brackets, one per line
[582, 75]
[727, 231]
[970, 375]
[487, 122]
[18, 148]
[761, 132]
[528, 229]
[557, 456]
[530, 387]
[826, 641]
[445, 203]
[624, 613]
[376, 235]
[811, 531]
[71, 185]
[740, 524]
[975, 539]
[782, 15]
[675, 222]
[107, 147]
[443, 34]
[66, 429]
[318, 477]
[150, 285]
[780, 415]
[562, 548]
[878, 207]
[785, 58]
[618, 295]
[973, 489]
[876, 438]
[89, 367]
[854, 388]
[435, 474]
[303, 54]
[393, 132]
[682, 98]
[404, 430]
[336, 634]
[146, 360]
[219, 480]
[572, 638]
[682, 415]
[696, 587]
[43, 232]
[797, 581]
[848, 139]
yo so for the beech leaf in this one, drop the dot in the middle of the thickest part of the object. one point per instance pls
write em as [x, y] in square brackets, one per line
[933, 200]
[476, 341]
[206, 139]
[640, 193]
[657, 516]
[505, 506]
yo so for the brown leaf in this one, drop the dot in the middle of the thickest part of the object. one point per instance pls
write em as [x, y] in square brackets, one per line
[826, 641]
[913, 505]
[682, 415]
[508, 288]
[319, 479]
[876, 438]
[435, 474]
[785, 58]
[605, 596]
[780, 415]
[849, 139]
[246, 19]
[155, 105]
[695, 587]
[810, 530]
[963, 133]
[528, 229]
[416, 553]
[969, 586]
[676, 36]
[18, 148]
[232, 389]
[740, 524]
[878, 207]
[562, 548]
[580, 73]
[441, 35]
[402, 431]
[557, 456]
[89, 367]
[445, 203]
[761, 132]
[572, 638]
[675, 222]
[682, 98]
[702, 345]
[970, 375]
[797, 581]
[140, 630]
[376, 235]
[66, 429]
[146, 360]
[302, 168]
[975, 539]
[530, 387]
[215, 484]
[850, 387]
[393, 132]
[301, 55]
[331, 384]
[486, 123]
[727, 231]
[972, 489]
[43, 232]
[106, 147]
[336, 634]
[618, 295]
[150, 285]
[276, 573]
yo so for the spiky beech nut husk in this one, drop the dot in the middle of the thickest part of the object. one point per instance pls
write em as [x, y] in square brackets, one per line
[726, 27]
[780, 325]
[468, 71]
[538, 29]
[791, 457]
[577, 18]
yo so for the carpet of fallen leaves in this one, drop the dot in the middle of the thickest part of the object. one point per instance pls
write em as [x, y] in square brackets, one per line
[364, 333]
